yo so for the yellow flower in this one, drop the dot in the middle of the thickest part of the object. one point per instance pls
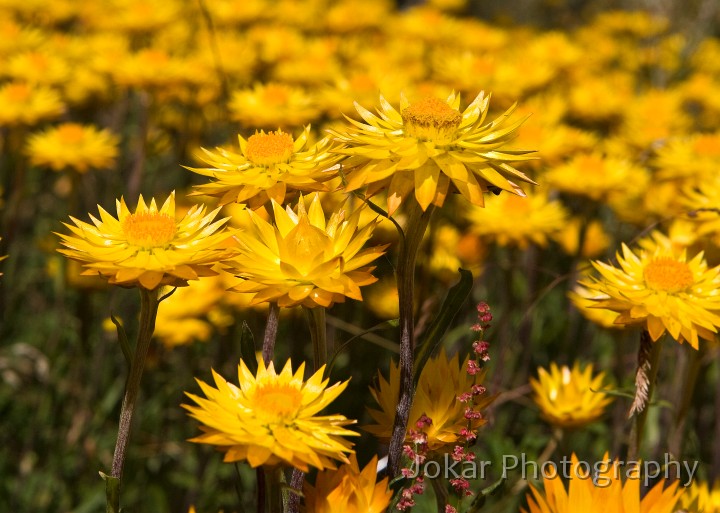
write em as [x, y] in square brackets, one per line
[702, 497]
[596, 239]
[693, 159]
[273, 105]
[610, 494]
[272, 419]
[520, 221]
[661, 291]
[427, 146]
[148, 247]
[569, 398]
[267, 166]
[348, 490]
[22, 103]
[594, 175]
[304, 259]
[441, 381]
[74, 146]
[187, 315]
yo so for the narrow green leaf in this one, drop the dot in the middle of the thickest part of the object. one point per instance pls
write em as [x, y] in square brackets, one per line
[481, 496]
[432, 337]
[123, 339]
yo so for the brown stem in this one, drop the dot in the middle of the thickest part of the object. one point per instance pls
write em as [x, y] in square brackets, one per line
[271, 328]
[648, 360]
[409, 244]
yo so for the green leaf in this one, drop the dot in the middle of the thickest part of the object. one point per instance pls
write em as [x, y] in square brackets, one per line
[123, 339]
[247, 348]
[481, 496]
[112, 493]
[432, 338]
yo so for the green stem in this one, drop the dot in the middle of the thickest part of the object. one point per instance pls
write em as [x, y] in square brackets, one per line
[641, 415]
[148, 312]
[273, 490]
[318, 335]
[441, 494]
[417, 222]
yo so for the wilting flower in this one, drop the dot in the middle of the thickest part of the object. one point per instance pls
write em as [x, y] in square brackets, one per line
[428, 146]
[602, 492]
[73, 146]
[272, 419]
[570, 398]
[148, 247]
[348, 490]
[305, 259]
[267, 166]
[661, 291]
[441, 381]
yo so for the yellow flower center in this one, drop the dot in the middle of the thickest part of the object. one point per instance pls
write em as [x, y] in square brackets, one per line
[70, 133]
[268, 149]
[276, 402]
[431, 119]
[149, 229]
[668, 275]
[516, 204]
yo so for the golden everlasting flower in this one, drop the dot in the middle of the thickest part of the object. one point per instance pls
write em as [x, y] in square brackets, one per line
[701, 497]
[273, 105]
[610, 494]
[304, 259]
[74, 146]
[595, 176]
[694, 159]
[348, 490]
[569, 398]
[272, 419]
[441, 381]
[148, 247]
[22, 103]
[427, 146]
[516, 220]
[267, 166]
[661, 291]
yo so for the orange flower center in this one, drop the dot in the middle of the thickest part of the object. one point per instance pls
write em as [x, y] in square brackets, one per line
[17, 92]
[268, 149]
[274, 402]
[431, 119]
[668, 275]
[149, 229]
[516, 204]
[707, 145]
[70, 133]
[276, 95]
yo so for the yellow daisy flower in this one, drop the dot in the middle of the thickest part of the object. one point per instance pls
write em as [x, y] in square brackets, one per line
[427, 146]
[569, 398]
[661, 291]
[596, 239]
[266, 167]
[584, 300]
[610, 494]
[74, 146]
[519, 221]
[148, 247]
[441, 381]
[26, 104]
[305, 259]
[695, 158]
[594, 175]
[273, 105]
[271, 418]
[702, 497]
[348, 490]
